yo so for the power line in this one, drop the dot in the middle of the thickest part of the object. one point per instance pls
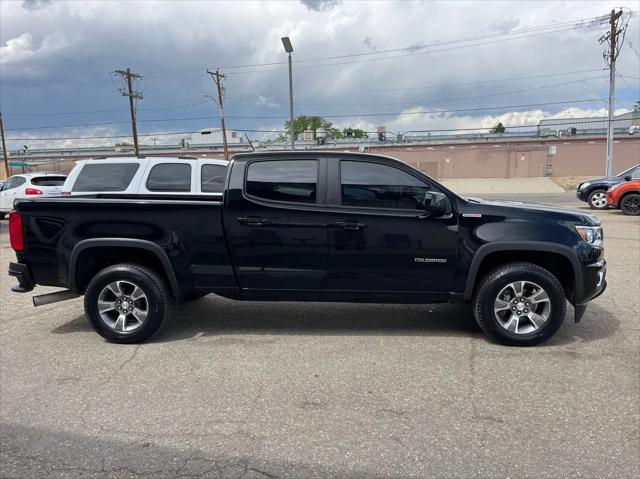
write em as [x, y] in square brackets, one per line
[430, 101]
[175, 107]
[417, 48]
[366, 60]
[377, 90]
[444, 85]
[248, 130]
[280, 117]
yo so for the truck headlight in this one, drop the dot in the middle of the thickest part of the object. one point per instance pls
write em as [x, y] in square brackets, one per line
[584, 185]
[591, 235]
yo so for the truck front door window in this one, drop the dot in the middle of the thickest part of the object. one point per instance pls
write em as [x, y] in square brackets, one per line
[372, 185]
[287, 180]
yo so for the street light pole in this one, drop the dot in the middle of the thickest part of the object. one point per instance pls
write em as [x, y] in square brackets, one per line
[286, 42]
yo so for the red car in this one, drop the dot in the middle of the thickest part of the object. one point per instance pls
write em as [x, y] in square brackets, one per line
[625, 196]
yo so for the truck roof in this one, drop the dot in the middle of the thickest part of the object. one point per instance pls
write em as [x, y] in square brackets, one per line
[310, 153]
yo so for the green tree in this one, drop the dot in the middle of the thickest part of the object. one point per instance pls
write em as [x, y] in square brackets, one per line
[354, 133]
[499, 128]
[304, 122]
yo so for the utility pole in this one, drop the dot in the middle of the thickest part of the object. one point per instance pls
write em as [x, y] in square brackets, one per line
[128, 77]
[4, 148]
[217, 78]
[611, 57]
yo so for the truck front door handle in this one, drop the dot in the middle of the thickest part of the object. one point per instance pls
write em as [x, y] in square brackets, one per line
[348, 225]
[253, 221]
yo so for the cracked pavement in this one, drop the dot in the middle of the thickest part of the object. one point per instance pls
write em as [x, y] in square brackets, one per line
[270, 390]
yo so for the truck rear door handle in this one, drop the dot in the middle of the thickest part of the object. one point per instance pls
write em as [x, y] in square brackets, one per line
[348, 225]
[253, 221]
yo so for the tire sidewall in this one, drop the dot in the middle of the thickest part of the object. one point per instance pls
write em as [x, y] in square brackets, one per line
[623, 206]
[156, 300]
[590, 198]
[548, 283]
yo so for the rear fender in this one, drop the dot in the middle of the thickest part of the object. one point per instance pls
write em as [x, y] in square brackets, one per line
[122, 243]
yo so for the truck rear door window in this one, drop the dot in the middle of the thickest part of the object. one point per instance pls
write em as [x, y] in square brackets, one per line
[212, 178]
[293, 181]
[105, 177]
[48, 180]
[372, 185]
[170, 177]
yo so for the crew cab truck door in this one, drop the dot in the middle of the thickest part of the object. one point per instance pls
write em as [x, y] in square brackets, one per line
[380, 240]
[276, 224]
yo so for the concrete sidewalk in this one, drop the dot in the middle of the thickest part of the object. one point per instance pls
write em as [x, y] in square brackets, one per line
[503, 185]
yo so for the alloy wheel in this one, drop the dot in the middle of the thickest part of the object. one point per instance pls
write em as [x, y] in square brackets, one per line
[632, 205]
[599, 200]
[123, 306]
[522, 307]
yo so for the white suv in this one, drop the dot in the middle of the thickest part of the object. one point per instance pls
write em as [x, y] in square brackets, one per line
[29, 185]
[147, 176]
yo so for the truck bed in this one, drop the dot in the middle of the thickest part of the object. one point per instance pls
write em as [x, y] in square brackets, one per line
[188, 233]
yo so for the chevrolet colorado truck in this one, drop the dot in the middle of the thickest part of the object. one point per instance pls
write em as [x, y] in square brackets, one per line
[306, 226]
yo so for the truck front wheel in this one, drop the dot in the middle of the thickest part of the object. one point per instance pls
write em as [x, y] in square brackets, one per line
[519, 304]
[126, 303]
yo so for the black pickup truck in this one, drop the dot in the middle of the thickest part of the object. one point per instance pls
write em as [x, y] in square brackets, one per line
[310, 226]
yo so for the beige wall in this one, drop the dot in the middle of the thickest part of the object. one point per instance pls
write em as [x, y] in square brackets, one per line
[574, 157]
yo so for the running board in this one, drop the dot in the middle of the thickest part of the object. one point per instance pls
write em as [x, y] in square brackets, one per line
[49, 298]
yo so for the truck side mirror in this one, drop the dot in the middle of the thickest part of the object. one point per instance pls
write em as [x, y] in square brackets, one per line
[436, 204]
[628, 178]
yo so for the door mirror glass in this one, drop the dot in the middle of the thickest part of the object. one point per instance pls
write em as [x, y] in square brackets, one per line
[436, 204]
[628, 178]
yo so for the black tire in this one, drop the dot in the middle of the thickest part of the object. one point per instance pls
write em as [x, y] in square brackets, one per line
[497, 281]
[156, 303]
[595, 199]
[630, 204]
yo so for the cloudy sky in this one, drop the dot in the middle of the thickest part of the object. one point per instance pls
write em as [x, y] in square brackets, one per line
[467, 64]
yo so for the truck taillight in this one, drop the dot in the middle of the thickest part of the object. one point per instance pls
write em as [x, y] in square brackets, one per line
[32, 191]
[16, 233]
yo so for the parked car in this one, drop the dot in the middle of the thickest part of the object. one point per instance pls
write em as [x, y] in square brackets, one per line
[625, 196]
[308, 226]
[29, 185]
[594, 191]
[146, 176]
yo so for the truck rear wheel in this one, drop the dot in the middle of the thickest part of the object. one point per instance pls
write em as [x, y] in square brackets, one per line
[126, 303]
[519, 304]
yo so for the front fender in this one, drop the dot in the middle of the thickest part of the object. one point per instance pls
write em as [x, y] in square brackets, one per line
[503, 246]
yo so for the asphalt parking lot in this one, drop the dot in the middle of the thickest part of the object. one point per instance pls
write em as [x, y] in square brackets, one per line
[264, 390]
